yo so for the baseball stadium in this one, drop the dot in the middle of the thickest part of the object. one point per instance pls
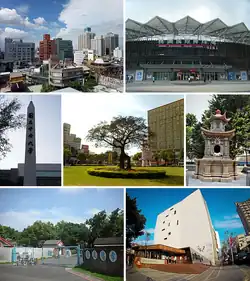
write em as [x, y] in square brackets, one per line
[187, 49]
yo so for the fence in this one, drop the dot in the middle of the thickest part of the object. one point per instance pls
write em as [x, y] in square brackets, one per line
[10, 254]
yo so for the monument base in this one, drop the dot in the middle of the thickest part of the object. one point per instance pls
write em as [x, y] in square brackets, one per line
[215, 170]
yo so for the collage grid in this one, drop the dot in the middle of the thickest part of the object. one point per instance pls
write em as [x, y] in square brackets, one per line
[124, 140]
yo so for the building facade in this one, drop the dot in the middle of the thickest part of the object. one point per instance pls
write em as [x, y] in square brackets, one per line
[167, 125]
[79, 57]
[117, 53]
[85, 149]
[70, 140]
[111, 42]
[64, 49]
[84, 40]
[19, 51]
[243, 209]
[47, 47]
[180, 227]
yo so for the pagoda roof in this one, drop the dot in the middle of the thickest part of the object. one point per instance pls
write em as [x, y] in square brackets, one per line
[225, 134]
[220, 116]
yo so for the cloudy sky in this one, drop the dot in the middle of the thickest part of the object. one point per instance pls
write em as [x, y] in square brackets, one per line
[85, 111]
[20, 208]
[191, 104]
[230, 11]
[30, 19]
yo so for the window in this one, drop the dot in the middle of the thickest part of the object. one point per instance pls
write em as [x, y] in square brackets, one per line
[163, 222]
[171, 209]
[169, 233]
[165, 238]
[177, 222]
[163, 229]
[174, 212]
[166, 216]
[169, 224]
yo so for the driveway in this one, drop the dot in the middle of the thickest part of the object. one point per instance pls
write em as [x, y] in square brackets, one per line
[62, 261]
[36, 273]
[227, 273]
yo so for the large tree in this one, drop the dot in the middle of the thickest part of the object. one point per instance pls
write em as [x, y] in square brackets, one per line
[10, 119]
[121, 133]
[135, 220]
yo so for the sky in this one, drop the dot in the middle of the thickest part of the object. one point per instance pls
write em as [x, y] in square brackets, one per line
[197, 99]
[48, 131]
[201, 10]
[85, 111]
[220, 202]
[21, 207]
[29, 19]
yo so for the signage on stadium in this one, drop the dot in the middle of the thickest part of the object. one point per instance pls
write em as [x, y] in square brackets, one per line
[205, 46]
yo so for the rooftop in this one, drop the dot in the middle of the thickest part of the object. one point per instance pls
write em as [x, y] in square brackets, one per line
[238, 33]
[66, 90]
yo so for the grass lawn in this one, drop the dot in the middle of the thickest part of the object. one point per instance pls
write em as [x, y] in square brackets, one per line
[78, 176]
[98, 275]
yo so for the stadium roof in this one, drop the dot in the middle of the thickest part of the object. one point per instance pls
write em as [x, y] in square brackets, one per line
[158, 26]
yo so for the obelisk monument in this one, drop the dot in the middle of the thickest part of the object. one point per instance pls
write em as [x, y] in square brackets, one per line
[30, 148]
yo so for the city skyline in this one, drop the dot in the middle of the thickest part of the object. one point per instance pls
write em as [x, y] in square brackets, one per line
[200, 10]
[48, 134]
[22, 207]
[224, 215]
[61, 18]
[107, 106]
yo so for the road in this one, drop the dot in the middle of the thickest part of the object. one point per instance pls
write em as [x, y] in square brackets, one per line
[62, 261]
[36, 273]
[227, 273]
[167, 86]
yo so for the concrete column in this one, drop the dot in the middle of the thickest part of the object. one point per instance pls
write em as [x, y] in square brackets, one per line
[248, 178]
[30, 148]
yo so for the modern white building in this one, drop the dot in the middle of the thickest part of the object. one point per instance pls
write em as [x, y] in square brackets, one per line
[70, 140]
[187, 224]
[98, 44]
[79, 57]
[91, 55]
[117, 53]
[84, 40]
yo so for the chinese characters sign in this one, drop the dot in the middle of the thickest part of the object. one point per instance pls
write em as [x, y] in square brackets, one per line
[30, 132]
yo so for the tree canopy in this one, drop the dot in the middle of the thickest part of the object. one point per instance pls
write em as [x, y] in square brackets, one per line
[135, 220]
[100, 225]
[122, 132]
[10, 119]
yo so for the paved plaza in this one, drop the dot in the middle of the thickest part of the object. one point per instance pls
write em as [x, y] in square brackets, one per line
[184, 86]
[36, 273]
[227, 273]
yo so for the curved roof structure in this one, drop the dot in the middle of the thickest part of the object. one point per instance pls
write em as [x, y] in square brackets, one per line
[158, 26]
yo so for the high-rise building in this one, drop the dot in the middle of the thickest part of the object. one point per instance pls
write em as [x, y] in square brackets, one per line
[243, 209]
[19, 51]
[47, 47]
[84, 40]
[64, 49]
[70, 140]
[98, 44]
[111, 42]
[180, 227]
[79, 57]
[117, 53]
[167, 125]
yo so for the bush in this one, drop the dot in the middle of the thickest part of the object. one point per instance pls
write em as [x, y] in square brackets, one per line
[123, 174]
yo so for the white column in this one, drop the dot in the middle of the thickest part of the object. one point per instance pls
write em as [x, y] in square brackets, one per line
[30, 148]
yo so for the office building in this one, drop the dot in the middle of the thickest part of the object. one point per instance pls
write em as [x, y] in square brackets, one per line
[117, 53]
[18, 51]
[85, 149]
[167, 125]
[84, 40]
[111, 42]
[70, 140]
[187, 224]
[243, 210]
[98, 44]
[64, 49]
[47, 47]
[91, 55]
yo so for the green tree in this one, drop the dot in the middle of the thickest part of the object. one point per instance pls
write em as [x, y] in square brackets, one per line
[77, 85]
[10, 120]
[121, 133]
[137, 156]
[47, 88]
[135, 220]
[191, 120]
[82, 158]
[157, 157]
[89, 84]
[198, 143]
[66, 155]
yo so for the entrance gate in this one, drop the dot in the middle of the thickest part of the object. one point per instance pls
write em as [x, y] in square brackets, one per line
[64, 256]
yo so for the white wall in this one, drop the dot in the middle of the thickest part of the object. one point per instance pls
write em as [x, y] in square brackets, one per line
[194, 227]
[5, 254]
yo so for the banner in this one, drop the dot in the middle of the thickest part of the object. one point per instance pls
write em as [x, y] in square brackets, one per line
[139, 75]
[231, 76]
[243, 75]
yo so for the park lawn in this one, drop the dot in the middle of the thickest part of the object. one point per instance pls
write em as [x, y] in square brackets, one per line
[78, 176]
[98, 275]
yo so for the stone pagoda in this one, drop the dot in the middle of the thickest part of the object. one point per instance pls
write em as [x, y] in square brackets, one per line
[216, 165]
[146, 154]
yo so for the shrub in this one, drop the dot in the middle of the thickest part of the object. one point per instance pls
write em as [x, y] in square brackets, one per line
[123, 174]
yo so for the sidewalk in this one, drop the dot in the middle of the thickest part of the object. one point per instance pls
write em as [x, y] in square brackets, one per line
[84, 276]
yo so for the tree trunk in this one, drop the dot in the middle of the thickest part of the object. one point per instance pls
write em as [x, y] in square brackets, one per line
[128, 166]
[122, 160]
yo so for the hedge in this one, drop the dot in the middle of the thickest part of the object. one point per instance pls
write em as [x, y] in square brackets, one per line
[123, 174]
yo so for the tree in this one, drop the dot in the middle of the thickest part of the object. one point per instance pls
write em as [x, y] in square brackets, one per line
[198, 143]
[181, 155]
[89, 84]
[191, 120]
[9, 120]
[121, 133]
[137, 156]
[81, 157]
[47, 88]
[157, 157]
[66, 155]
[135, 220]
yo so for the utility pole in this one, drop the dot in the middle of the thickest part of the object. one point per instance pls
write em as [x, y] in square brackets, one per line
[229, 236]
